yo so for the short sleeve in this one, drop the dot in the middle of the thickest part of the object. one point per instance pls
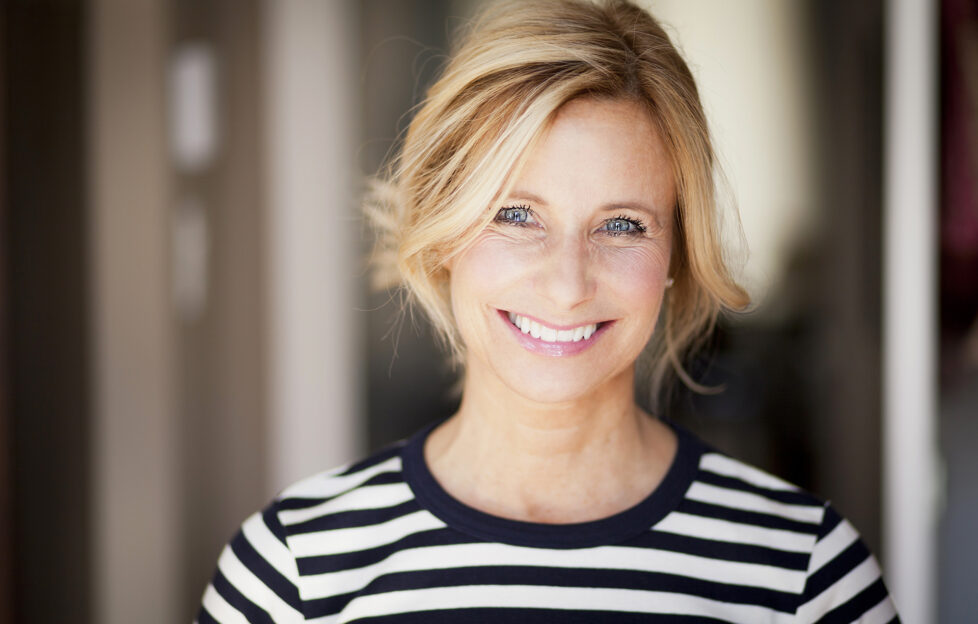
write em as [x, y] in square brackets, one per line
[256, 577]
[844, 582]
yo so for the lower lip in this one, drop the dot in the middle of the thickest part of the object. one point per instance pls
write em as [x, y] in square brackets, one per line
[553, 349]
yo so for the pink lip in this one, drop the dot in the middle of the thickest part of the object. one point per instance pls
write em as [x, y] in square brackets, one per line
[553, 349]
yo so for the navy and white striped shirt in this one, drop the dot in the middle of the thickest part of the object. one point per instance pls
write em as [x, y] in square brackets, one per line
[381, 541]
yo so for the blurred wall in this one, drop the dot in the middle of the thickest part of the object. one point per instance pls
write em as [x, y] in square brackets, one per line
[223, 238]
[136, 500]
[218, 276]
[313, 226]
[958, 563]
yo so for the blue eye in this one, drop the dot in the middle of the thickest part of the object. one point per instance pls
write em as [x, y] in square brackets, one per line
[622, 225]
[517, 215]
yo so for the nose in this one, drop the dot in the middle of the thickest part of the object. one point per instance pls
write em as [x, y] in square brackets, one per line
[566, 276]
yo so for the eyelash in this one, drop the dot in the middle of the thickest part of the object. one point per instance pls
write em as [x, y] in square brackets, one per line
[501, 219]
[638, 225]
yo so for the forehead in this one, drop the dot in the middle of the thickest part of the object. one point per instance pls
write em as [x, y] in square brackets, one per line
[599, 151]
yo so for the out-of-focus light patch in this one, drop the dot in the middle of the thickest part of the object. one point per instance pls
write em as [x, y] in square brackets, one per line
[190, 259]
[193, 106]
[749, 60]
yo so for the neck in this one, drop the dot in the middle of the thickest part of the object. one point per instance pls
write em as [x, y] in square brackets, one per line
[568, 461]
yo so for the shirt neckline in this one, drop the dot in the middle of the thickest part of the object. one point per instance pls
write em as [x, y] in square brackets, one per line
[610, 530]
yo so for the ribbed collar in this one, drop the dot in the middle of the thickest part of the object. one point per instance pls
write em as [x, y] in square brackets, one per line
[611, 530]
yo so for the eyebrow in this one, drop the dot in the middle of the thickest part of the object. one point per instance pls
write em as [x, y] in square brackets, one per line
[610, 207]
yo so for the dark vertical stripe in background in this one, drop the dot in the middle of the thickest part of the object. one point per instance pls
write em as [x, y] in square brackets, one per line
[45, 311]
[6, 485]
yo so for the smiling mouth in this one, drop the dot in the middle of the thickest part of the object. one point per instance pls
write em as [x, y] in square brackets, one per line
[550, 334]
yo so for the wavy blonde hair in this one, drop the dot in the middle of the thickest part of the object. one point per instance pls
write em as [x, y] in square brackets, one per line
[516, 65]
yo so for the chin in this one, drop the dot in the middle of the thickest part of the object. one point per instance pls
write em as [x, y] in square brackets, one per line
[554, 387]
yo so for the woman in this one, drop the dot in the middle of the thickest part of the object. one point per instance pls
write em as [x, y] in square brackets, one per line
[553, 212]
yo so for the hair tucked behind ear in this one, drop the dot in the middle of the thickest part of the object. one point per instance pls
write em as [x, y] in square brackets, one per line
[517, 64]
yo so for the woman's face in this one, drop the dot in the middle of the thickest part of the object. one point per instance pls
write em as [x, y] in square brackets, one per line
[556, 299]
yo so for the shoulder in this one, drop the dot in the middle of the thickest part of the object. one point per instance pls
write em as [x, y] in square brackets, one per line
[844, 581]
[318, 502]
[738, 484]
[836, 572]
[747, 504]
[259, 575]
[380, 467]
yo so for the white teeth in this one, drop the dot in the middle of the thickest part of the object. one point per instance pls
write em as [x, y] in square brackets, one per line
[549, 334]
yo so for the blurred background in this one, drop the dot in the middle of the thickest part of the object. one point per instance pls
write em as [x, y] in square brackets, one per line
[185, 318]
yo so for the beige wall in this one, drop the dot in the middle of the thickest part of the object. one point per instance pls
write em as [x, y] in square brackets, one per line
[313, 232]
[136, 494]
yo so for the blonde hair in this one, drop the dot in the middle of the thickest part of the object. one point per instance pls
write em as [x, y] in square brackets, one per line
[516, 66]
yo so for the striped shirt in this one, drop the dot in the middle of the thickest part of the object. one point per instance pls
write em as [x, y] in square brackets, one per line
[381, 541]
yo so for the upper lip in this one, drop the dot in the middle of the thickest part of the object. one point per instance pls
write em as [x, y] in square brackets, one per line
[558, 327]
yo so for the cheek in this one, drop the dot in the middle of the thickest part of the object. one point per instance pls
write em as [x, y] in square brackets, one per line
[489, 265]
[637, 276]
[480, 275]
